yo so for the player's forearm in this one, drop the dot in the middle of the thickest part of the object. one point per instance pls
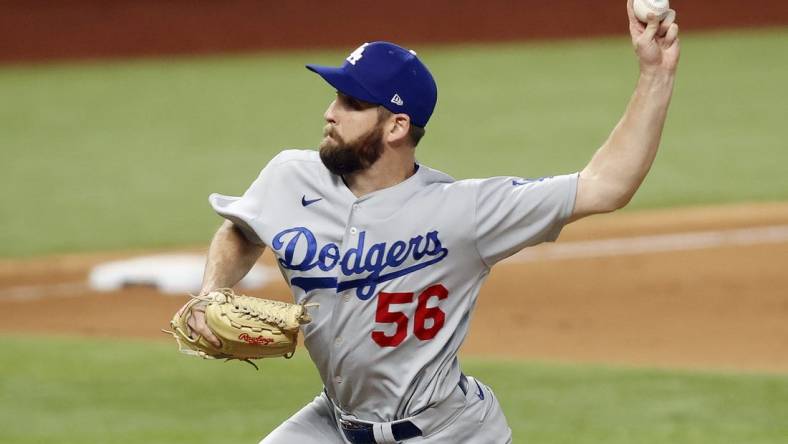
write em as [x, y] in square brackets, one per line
[230, 257]
[618, 168]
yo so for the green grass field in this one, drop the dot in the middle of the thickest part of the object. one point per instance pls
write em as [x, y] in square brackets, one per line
[123, 154]
[84, 391]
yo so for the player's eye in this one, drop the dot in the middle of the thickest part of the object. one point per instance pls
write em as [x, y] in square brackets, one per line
[354, 103]
[351, 102]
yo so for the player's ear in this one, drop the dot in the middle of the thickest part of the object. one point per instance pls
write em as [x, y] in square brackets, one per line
[399, 129]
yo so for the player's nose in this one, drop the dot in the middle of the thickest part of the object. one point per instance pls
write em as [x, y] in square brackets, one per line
[330, 114]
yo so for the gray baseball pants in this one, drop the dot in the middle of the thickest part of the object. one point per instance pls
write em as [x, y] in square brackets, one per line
[481, 422]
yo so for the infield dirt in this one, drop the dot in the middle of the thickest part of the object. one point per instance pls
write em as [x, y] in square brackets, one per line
[724, 307]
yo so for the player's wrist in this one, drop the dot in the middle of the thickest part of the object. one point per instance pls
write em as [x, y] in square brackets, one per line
[657, 72]
[656, 80]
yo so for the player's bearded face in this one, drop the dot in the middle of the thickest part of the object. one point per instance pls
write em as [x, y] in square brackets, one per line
[342, 157]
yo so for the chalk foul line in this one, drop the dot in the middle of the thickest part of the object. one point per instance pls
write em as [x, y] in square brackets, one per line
[653, 244]
[44, 291]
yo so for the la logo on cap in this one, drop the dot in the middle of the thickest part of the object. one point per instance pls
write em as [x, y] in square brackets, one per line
[387, 75]
[356, 55]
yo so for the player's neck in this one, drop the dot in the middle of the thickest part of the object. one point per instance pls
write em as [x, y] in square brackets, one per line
[394, 166]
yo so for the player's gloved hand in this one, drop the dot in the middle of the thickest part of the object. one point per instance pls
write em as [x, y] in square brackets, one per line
[196, 322]
[225, 325]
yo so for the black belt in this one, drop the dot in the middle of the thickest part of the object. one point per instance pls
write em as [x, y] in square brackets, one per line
[362, 433]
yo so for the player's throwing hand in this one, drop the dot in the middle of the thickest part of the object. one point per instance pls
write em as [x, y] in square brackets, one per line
[656, 44]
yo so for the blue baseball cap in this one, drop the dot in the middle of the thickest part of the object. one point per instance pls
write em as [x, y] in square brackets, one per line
[388, 75]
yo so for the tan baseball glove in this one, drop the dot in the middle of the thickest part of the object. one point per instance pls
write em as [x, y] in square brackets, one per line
[247, 327]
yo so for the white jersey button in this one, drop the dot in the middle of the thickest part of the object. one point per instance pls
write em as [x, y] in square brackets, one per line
[356, 207]
[338, 340]
[353, 230]
[338, 379]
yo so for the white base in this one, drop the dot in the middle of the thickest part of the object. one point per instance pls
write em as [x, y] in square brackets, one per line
[172, 274]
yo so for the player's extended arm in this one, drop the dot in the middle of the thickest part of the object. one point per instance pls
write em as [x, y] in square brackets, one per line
[230, 257]
[618, 168]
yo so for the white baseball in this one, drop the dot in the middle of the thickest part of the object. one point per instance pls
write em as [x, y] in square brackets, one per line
[660, 8]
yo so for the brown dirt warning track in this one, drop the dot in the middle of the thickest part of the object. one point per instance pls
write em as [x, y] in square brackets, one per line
[691, 288]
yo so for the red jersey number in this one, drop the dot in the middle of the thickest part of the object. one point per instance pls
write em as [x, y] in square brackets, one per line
[384, 315]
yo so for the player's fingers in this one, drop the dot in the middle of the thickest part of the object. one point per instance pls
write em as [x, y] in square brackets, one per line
[651, 28]
[664, 26]
[671, 36]
[197, 324]
[635, 26]
[631, 12]
[205, 333]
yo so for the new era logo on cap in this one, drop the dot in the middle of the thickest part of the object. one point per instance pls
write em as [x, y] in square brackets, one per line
[383, 73]
[397, 100]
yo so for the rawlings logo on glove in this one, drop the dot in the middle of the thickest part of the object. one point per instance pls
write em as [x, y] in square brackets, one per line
[248, 328]
[259, 341]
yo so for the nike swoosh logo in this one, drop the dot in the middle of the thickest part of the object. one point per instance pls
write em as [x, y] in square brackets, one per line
[527, 181]
[306, 203]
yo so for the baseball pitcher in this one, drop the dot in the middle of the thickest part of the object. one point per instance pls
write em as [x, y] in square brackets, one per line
[389, 254]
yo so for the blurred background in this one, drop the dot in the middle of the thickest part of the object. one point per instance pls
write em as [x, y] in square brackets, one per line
[665, 322]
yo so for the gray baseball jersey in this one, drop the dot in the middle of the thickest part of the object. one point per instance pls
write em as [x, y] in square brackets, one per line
[396, 273]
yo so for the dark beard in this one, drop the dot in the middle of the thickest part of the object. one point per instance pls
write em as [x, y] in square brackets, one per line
[346, 158]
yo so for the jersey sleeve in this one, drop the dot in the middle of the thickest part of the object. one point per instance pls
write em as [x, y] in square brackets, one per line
[245, 210]
[513, 213]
